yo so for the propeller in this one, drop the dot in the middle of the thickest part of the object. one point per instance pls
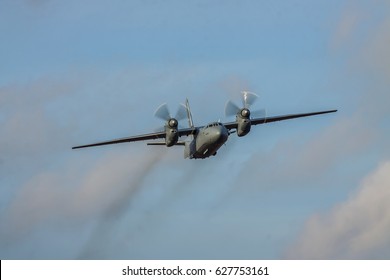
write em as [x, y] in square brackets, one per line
[247, 98]
[162, 112]
[231, 109]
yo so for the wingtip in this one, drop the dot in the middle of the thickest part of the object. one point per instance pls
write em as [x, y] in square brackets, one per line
[77, 147]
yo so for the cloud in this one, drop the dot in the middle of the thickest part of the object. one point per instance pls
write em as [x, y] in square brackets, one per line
[98, 245]
[333, 144]
[373, 65]
[360, 122]
[74, 195]
[28, 128]
[304, 159]
[357, 228]
[46, 185]
[349, 22]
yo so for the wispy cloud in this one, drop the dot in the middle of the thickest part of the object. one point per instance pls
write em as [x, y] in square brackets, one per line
[46, 184]
[356, 228]
[72, 196]
[347, 25]
[98, 245]
[27, 127]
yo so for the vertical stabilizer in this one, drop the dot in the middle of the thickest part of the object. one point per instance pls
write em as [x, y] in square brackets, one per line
[189, 115]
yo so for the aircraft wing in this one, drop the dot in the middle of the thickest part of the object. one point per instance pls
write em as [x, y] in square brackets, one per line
[142, 137]
[255, 121]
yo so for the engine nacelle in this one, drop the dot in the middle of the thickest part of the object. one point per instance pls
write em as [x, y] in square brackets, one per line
[243, 122]
[243, 127]
[171, 134]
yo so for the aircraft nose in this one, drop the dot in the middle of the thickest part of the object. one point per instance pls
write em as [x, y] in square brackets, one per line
[219, 135]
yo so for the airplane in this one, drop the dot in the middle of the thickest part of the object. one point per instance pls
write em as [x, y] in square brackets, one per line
[205, 140]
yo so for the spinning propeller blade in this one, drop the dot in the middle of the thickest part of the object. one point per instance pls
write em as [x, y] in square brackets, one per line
[181, 113]
[162, 112]
[247, 98]
[231, 109]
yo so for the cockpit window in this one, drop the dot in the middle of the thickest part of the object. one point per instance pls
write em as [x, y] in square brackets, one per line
[213, 124]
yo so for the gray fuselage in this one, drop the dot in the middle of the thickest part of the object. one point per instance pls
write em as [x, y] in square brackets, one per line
[208, 140]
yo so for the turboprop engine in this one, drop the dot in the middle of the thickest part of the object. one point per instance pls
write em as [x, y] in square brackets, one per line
[171, 132]
[172, 123]
[244, 122]
[243, 115]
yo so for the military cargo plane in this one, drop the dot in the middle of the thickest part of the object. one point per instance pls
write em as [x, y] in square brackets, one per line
[205, 141]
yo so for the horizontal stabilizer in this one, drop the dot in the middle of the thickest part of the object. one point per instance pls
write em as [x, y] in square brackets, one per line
[180, 143]
[156, 144]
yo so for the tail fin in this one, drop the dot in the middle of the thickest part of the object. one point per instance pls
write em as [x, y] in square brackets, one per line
[190, 122]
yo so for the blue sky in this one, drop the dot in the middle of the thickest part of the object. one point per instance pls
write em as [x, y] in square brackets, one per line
[77, 72]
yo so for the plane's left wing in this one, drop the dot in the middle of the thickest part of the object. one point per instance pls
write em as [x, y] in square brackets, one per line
[255, 121]
[142, 137]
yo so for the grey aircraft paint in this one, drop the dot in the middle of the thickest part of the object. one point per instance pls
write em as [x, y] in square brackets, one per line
[206, 140]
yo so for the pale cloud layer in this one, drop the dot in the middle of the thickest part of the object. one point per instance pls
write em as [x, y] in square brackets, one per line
[73, 196]
[357, 228]
[347, 25]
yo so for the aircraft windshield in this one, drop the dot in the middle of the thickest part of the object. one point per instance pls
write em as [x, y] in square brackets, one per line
[214, 124]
